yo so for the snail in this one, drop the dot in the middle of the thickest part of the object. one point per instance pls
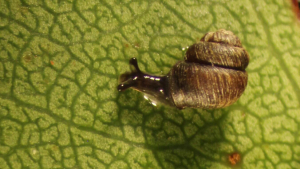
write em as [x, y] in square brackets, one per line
[211, 76]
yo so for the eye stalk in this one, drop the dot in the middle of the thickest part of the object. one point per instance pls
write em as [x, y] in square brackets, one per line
[129, 79]
[133, 62]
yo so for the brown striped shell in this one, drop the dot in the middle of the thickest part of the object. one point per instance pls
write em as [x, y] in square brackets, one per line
[213, 74]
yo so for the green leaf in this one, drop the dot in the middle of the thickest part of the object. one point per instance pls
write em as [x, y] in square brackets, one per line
[59, 68]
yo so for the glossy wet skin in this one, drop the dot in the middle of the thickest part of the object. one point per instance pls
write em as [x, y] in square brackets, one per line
[154, 86]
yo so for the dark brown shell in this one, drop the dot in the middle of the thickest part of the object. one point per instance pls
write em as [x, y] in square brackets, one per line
[213, 74]
[204, 86]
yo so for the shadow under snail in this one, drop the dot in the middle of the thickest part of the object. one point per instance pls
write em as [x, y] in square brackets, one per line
[211, 76]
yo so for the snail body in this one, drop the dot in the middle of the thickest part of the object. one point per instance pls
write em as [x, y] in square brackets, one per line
[211, 76]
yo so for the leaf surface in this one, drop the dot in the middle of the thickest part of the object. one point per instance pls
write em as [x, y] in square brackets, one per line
[59, 67]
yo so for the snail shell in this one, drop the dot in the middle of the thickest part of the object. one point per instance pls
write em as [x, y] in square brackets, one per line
[211, 76]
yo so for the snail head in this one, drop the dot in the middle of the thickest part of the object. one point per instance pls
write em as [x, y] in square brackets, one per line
[129, 79]
[153, 86]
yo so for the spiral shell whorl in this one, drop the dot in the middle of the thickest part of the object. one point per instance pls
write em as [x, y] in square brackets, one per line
[221, 48]
[222, 36]
[213, 74]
